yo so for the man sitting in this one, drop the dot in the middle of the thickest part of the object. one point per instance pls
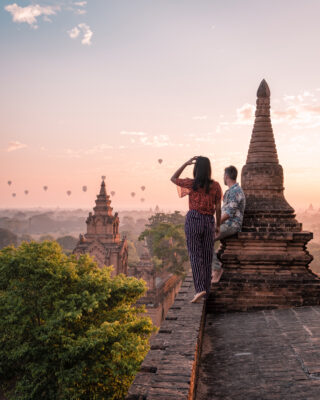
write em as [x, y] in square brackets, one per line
[234, 203]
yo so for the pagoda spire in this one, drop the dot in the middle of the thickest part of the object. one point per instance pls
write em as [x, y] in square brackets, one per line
[262, 175]
[103, 189]
[103, 201]
[262, 146]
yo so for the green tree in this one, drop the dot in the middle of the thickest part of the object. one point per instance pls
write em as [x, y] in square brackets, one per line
[167, 242]
[68, 329]
[7, 238]
[173, 218]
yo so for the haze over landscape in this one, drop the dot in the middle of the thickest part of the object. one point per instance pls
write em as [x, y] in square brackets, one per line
[104, 88]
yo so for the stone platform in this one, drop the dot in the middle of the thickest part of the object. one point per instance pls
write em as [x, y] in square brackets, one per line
[169, 370]
[262, 355]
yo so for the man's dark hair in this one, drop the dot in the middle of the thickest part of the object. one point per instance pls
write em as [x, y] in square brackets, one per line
[232, 172]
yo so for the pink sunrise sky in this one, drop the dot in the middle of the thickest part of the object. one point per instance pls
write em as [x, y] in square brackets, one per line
[92, 88]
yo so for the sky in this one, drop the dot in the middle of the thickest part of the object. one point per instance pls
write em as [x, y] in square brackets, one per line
[108, 87]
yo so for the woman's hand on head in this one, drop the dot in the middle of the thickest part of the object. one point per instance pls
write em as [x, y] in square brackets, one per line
[192, 160]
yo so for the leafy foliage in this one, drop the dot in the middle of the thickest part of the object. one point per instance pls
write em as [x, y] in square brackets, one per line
[68, 329]
[167, 243]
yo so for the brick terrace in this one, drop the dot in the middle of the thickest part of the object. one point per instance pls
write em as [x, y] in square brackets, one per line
[263, 355]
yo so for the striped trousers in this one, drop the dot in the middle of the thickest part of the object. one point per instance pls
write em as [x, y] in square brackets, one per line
[200, 230]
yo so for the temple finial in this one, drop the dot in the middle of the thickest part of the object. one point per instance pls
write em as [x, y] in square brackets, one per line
[262, 146]
[263, 89]
[103, 188]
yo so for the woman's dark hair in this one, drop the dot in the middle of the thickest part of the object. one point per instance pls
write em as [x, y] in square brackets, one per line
[202, 173]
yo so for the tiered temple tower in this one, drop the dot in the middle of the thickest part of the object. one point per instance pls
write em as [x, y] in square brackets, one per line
[102, 240]
[267, 264]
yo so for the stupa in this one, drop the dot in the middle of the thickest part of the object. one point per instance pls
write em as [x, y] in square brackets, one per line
[102, 240]
[266, 265]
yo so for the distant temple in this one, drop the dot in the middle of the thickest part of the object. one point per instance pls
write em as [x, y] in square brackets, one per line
[102, 240]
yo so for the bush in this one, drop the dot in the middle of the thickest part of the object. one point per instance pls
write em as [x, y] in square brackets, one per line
[68, 330]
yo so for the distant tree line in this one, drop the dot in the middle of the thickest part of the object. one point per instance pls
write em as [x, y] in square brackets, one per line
[8, 238]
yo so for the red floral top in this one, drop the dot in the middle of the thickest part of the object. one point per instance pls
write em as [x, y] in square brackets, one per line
[199, 199]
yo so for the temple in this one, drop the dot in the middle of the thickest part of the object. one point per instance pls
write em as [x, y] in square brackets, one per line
[102, 240]
[267, 264]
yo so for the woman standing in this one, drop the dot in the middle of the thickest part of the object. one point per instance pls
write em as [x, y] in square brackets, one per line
[204, 201]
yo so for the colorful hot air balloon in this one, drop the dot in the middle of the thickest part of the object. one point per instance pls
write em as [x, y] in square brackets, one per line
[9, 183]
[45, 188]
[143, 187]
[68, 192]
[84, 188]
[133, 194]
[13, 195]
[26, 191]
[113, 193]
[142, 199]
[160, 160]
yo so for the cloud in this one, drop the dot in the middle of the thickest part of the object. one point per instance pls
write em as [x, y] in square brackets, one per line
[300, 111]
[15, 145]
[134, 133]
[86, 33]
[80, 11]
[245, 114]
[77, 153]
[78, 7]
[29, 14]
[156, 141]
[200, 117]
[74, 32]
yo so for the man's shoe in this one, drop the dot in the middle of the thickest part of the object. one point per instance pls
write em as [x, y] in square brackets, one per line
[216, 275]
[198, 296]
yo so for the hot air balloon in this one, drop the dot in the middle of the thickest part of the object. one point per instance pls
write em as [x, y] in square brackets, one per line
[113, 193]
[143, 187]
[103, 177]
[9, 183]
[133, 194]
[68, 192]
[84, 188]
[26, 191]
[45, 188]
[13, 195]
[160, 160]
[142, 199]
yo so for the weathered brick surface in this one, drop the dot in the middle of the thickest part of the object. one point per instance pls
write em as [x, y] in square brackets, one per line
[264, 355]
[170, 367]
